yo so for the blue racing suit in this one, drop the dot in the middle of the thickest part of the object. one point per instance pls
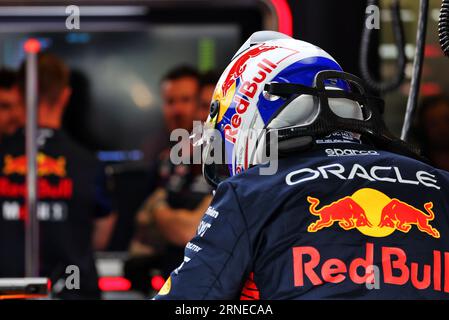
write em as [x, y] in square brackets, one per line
[340, 221]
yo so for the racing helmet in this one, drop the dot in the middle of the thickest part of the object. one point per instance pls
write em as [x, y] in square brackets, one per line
[277, 84]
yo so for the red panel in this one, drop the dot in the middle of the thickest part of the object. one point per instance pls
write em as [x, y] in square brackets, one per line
[284, 14]
[114, 284]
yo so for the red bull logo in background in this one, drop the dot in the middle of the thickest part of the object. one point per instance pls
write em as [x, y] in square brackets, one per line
[372, 213]
[46, 165]
[57, 191]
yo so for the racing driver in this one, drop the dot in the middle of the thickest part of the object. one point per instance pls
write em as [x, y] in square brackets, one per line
[351, 212]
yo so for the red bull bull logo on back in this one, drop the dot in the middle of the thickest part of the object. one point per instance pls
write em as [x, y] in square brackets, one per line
[372, 213]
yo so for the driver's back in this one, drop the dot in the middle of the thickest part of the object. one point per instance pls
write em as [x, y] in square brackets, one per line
[342, 221]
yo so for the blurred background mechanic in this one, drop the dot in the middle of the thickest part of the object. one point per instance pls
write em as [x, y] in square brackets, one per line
[75, 214]
[11, 112]
[170, 216]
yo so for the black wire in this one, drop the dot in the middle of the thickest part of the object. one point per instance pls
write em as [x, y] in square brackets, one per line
[398, 32]
[443, 27]
[417, 68]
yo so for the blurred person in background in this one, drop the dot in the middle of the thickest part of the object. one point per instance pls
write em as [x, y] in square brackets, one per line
[433, 130]
[207, 87]
[11, 110]
[72, 220]
[170, 216]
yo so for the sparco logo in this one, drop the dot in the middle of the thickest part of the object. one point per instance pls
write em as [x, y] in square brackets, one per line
[350, 152]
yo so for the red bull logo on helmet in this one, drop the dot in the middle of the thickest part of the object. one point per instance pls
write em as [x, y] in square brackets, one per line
[372, 213]
[242, 100]
[238, 90]
[245, 74]
[239, 66]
